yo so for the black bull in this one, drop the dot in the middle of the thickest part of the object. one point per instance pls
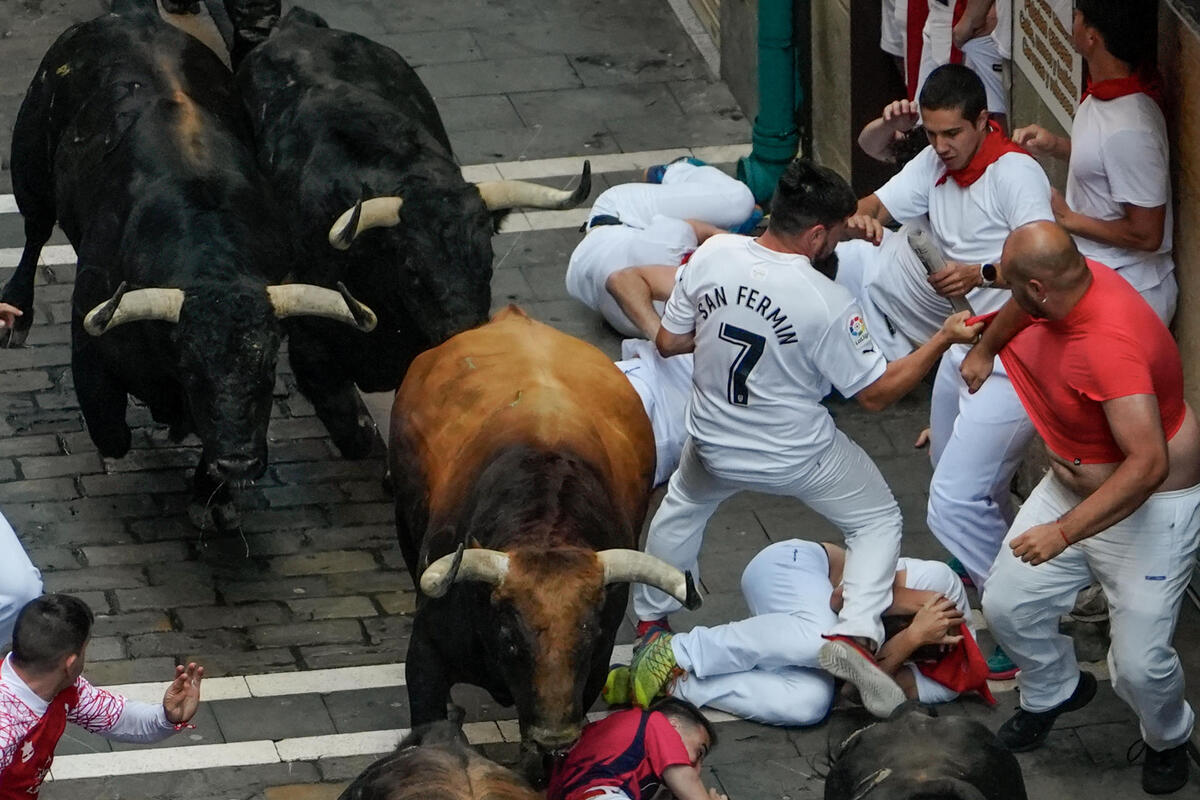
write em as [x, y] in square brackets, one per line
[339, 119]
[130, 136]
[916, 755]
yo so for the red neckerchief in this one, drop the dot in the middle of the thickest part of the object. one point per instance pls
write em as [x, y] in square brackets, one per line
[1145, 81]
[918, 12]
[994, 145]
[963, 669]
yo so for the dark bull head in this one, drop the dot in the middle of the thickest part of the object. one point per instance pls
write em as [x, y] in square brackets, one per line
[227, 339]
[547, 631]
[441, 243]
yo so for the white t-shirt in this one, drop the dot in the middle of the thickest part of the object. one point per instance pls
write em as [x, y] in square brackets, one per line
[608, 248]
[970, 224]
[1119, 154]
[772, 336]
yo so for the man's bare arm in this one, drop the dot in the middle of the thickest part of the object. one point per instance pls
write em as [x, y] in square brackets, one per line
[1140, 228]
[636, 288]
[905, 373]
[674, 344]
[684, 782]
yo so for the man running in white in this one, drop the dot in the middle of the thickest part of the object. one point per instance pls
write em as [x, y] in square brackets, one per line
[1118, 202]
[657, 222]
[975, 187]
[770, 336]
[766, 667]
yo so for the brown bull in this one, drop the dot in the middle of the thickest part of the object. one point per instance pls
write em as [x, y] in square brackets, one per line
[531, 450]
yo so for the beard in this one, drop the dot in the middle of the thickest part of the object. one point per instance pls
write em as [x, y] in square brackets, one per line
[827, 265]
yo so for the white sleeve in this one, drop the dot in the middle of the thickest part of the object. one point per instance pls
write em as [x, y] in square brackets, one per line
[679, 315]
[846, 355]
[115, 717]
[1022, 191]
[1137, 165]
[906, 195]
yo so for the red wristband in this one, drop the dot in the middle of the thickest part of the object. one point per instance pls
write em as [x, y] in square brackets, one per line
[1063, 534]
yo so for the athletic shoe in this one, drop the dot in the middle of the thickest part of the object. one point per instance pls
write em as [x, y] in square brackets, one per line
[1165, 771]
[655, 173]
[653, 668]
[961, 571]
[1000, 666]
[1027, 730]
[618, 686]
[843, 658]
[751, 222]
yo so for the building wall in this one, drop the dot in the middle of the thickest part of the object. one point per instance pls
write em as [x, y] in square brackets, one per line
[831, 83]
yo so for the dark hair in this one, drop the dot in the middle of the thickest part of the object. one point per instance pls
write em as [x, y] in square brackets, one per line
[48, 629]
[908, 147]
[685, 712]
[808, 194]
[1128, 27]
[953, 86]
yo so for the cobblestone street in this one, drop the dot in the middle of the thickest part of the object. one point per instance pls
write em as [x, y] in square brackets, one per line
[302, 617]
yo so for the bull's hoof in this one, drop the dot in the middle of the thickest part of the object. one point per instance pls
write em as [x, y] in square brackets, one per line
[18, 333]
[214, 516]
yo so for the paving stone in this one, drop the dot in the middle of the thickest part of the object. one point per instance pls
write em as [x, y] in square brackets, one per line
[77, 741]
[328, 631]
[478, 705]
[157, 597]
[133, 483]
[222, 784]
[537, 141]
[345, 768]
[280, 589]
[43, 444]
[610, 69]
[742, 741]
[28, 491]
[596, 105]
[174, 643]
[27, 380]
[327, 563]
[780, 778]
[369, 709]
[136, 622]
[432, 47]
[242, 616]
[320, 608]
[219, 663]
[94, 578]
[285, 496]
[272, 717]
[691, 130]
[53, 558]
[376, 581]
[478, 113]
[332, 656]
[135, 553]
[397, 602]
[138, 670]
[298, 791]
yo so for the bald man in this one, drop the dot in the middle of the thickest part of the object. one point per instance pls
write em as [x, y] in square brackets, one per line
[1101, 378]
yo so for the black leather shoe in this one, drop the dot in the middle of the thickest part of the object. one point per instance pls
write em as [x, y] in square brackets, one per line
[1027, 730]
[1165, 771]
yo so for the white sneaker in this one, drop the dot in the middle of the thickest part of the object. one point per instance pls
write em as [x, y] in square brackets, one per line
[880, 694]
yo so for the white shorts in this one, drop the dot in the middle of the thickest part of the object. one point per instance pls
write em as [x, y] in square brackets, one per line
[983, 56]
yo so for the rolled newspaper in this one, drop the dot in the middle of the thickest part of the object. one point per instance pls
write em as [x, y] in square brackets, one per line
[927, 251]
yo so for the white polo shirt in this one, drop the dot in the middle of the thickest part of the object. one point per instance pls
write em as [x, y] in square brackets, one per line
[772, 336]
[970, 224]
[1119, 154]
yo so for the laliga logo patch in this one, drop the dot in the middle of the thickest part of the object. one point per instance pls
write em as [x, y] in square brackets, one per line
[858, 331]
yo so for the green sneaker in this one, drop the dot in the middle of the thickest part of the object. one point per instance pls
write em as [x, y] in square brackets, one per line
[1000, 666]
[653, 668]
[618, 686]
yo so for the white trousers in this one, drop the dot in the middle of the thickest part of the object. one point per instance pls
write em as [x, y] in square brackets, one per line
[977, 444]
[765, 667]
[665, 386]
[686, 192]
[982, 55]
[843, 485]
[20, 580]
[1144, 564]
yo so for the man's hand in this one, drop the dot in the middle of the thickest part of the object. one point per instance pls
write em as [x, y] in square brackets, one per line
[923, 438]
[956, 279]
[183, 695]
[863, 226]
[937, 622]
[901, 115]
[976, 368]
[1036, 140]
[9, 314]
[957, 331]
[1039, 544]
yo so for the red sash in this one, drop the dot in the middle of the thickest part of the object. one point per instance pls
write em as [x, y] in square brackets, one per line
[918, 12]
[994, 145]
[1146, 81]
[31, 762]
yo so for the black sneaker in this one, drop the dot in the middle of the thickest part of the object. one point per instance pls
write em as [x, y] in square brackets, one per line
[1027, 730]
[1165, 771]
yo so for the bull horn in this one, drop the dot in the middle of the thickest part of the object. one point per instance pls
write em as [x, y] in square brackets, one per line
[378, 212]
[304, 299]
[499, 195]
[634, 566]
[131, 306]
[476, 564]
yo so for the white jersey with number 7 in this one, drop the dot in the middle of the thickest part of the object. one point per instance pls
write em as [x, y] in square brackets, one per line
[772, 336]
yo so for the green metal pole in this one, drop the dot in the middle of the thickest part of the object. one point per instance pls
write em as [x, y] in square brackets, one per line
[775, 135]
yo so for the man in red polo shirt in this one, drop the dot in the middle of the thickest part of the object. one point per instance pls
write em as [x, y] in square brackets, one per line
[1102, 380]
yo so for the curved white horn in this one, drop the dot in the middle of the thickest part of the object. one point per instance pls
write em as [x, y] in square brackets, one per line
[304, 299]
[634, 566]
[499, 195]
[139, 304]
[477, 564]
[378, 212]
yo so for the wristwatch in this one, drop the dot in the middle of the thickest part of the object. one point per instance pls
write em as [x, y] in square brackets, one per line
[987, 275]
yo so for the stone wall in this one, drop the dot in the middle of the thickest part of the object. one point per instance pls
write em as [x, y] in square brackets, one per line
[831, 83]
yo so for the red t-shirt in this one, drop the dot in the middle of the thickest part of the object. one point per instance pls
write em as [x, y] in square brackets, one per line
[628, 750]
[1111, 345]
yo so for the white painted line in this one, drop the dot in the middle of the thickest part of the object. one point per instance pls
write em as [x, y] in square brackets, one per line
[8, 204]
[324, 681]
[51, 254]
[231, 688]
[310, 748]
[164, 759]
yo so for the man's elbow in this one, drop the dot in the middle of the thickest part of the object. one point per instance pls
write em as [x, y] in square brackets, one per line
[872, 401]
[1148, 241]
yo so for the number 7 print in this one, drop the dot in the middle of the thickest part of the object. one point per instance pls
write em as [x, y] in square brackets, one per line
[751, 345]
